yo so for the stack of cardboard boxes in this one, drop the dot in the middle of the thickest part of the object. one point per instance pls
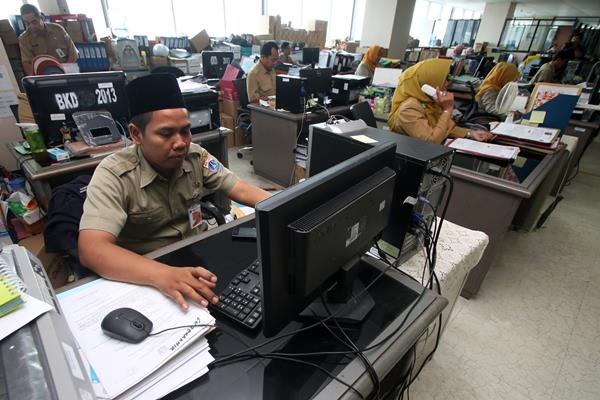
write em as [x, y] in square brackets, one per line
[228, 108]
[314, 36]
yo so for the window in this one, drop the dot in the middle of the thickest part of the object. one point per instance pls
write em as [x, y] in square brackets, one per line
[241, 16]
[358, 20]
[135, 17]
[457, 13]
[92, 9]
[339, 26]
[290, 11]
[9, 7]
[192, 16]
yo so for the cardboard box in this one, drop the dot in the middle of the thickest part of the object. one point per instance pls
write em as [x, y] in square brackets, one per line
[56, 266]
[317, 25]
[13, 51]
[230, 108]
[241, 138]
[228, 122]
[299, 172]
[7, 33]
[200, 41]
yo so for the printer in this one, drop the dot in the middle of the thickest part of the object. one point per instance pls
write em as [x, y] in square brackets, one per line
[203, 110]
[346, 88]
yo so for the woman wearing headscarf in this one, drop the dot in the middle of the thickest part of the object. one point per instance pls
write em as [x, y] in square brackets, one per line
[419, 116]
[500, 75]
[370, 61]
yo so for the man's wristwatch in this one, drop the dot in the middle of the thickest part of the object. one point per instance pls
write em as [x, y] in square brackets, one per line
[468, 135]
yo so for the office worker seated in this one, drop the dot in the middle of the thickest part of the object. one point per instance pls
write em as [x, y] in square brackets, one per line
[285, 56]
[417, 115]
[552, 71]
[43, 38]
[370, 61]
[148, 196]
[260, 81]
[499, 76]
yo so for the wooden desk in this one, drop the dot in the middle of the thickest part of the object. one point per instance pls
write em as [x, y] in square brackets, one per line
[43, 179]
[275, 135]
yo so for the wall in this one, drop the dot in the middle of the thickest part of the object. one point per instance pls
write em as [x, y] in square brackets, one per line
[492, 22]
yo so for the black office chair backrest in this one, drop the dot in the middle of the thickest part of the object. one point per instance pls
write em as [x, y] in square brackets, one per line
[363, 111]
[168, 70]
[240, 86]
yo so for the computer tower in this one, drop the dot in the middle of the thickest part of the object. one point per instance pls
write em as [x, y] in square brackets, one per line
[417, 165]
[346, 88]
[289, 93]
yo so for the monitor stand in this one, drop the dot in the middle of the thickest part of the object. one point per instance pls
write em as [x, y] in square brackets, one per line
[343, 299]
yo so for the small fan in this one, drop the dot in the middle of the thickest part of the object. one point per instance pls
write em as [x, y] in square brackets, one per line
[505, 99]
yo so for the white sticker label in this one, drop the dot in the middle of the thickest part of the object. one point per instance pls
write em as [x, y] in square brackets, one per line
[105, 85]
[364, 139]
[72, 361]
[335, 90]
[285, 79]
[353, 232]
[345, 86]
[580, 129]
[57, 117]
[381, 205]
[60, 53]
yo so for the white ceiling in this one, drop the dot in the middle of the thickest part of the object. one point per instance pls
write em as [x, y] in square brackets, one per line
[537, 8]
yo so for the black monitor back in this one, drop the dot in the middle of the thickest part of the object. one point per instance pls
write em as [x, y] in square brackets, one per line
[310, 55]
[318, 81]
[281, 302]
[214, 63]
[54, 99]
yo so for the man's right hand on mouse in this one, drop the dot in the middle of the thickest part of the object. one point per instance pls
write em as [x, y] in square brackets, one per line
[194, 283]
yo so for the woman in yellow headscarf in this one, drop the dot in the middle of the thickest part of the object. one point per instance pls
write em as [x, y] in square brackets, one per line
[417, 115]
[499, 76]
[370, 61]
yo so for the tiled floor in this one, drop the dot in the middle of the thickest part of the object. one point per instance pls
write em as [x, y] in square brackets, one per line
[533, 331]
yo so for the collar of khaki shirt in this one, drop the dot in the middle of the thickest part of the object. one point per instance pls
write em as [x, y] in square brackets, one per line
[149, 174]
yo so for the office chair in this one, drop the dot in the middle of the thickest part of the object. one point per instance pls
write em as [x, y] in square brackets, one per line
[363, 111]
[168, 70]
[243, 120]
[472, 116]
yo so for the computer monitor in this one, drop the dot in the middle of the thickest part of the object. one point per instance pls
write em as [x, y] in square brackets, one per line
[310, 55]
[55, 98]
[310, 235]
[214, 63]
[318, 81]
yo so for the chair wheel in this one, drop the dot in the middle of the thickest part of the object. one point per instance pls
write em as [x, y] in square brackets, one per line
[239, 155]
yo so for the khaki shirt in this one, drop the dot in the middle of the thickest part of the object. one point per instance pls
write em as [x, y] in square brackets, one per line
[260, 82]
[53, 41]
[545, 74]
[129, 199]
[286, 59]
[410, 119]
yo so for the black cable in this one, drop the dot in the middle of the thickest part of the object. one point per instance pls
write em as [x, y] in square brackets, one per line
[184, 326]
[352, 345]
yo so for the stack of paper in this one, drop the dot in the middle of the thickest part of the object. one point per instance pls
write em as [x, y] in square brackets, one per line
[150, 369]
[12, 289]
[544, 140]
[488, 150]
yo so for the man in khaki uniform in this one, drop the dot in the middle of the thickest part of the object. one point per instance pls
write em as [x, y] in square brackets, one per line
[285, 56]
[551, 71]
[260, 82]
[147, 196]
[43, 38]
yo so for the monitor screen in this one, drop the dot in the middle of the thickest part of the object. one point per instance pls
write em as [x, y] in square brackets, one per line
[54, 99]
[310, 55]
[214, 63]
[318, 81]
[309, 231]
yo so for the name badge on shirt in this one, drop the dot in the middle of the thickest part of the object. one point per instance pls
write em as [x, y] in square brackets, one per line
[195, 216]
[60, 53]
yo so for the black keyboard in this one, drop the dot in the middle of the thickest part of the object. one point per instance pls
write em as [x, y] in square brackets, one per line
[240, 300]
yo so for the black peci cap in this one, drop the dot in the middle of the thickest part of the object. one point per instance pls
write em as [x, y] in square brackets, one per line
[153, 92]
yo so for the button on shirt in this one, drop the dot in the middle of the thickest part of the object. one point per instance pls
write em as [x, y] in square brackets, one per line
[53, 41]
[260, 82]
[145, 211]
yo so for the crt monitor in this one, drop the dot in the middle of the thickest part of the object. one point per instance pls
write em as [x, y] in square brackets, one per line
[310, 235]
[214, 63]
[318, 81]
[310, 55]
[55, 98]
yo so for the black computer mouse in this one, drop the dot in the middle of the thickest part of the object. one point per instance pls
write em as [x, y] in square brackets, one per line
[126, 324]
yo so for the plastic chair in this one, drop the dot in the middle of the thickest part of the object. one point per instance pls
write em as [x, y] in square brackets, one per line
[363, 111]
[243, 120]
